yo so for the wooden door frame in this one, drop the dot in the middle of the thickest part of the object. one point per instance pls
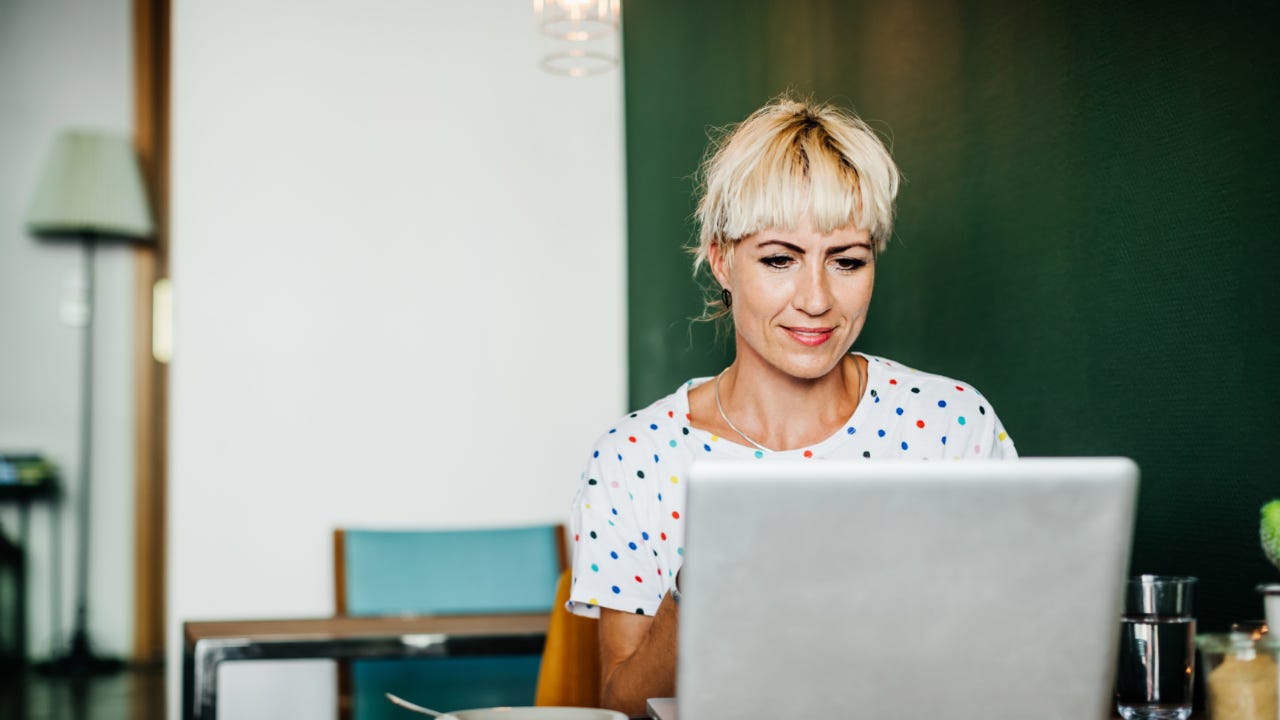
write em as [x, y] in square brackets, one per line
[151, 62]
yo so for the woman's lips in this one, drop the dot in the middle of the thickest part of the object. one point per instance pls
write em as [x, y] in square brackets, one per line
[810, 336]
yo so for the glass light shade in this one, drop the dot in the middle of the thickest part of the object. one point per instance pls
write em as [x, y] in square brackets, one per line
[91, 184]
[577, 20]
[578, 62]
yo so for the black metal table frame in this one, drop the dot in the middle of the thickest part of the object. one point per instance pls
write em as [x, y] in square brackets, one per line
[200, 664]
[23, 494]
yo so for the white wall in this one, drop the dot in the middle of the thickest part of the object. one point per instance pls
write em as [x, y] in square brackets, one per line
[398, 273]
[65, 63]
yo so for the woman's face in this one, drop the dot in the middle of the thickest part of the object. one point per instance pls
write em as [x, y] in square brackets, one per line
[800, 298]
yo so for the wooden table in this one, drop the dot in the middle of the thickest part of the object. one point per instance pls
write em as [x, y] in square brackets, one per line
[207, 644]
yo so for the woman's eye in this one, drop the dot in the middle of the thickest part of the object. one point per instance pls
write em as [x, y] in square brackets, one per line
[848, 264]
[777, 262]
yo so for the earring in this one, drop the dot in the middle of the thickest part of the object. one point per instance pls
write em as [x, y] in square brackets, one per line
[726, 297]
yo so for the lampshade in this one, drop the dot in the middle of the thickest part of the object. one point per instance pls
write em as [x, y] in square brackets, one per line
[577, 20]
[91, 185]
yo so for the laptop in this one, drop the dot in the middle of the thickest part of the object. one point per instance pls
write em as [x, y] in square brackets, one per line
[960, 590]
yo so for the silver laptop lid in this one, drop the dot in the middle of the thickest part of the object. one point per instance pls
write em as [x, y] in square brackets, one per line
[976, 589]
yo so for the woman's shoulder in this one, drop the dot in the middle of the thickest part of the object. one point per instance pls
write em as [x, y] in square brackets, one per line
[901, 389]
[915, 400]
[663, 415]
[889, 376]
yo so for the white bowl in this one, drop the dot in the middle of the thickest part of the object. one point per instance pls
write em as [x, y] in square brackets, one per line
[534, 713]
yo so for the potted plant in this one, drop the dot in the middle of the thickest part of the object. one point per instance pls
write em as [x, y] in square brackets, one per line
[1270, 532]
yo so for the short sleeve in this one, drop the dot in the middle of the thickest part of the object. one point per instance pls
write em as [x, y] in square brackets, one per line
[992, 441]
[613, 565]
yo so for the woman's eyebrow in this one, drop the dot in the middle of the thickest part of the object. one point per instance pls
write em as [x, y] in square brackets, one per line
[850, 246]
[789, 246]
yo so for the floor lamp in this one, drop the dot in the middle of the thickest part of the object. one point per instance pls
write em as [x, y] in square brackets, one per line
[92, 193]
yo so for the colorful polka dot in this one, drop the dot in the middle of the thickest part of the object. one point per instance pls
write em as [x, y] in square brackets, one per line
[942, 403]
[617, 590]
[595, 567]
[960, 419]
[759, 454]
[880, 432]
[904, 444]
[920, 424]
[808, 453]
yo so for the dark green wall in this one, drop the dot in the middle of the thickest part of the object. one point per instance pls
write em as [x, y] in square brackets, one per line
[1088, 229]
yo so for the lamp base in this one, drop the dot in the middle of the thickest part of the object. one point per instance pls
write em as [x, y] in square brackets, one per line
[80, 661]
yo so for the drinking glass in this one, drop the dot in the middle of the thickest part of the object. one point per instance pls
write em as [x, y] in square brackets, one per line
[1157, 648]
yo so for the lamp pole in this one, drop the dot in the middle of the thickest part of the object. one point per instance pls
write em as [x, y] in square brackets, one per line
[80, 660]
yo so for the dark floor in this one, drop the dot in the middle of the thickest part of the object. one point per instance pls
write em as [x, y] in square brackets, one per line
[133, 694]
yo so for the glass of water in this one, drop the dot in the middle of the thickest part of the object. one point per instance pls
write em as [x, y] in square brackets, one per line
[1157, 648]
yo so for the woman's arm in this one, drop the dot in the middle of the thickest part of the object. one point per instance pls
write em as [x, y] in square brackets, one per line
[638, 657]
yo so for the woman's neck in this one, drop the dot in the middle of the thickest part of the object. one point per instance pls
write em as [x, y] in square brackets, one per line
[776, 410]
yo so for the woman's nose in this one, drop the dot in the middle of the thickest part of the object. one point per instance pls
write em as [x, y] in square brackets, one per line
[813, 294]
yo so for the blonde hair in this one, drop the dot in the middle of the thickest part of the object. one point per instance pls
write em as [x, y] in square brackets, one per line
[789, 159]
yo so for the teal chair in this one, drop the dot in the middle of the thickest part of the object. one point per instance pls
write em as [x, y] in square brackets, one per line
[443, 572]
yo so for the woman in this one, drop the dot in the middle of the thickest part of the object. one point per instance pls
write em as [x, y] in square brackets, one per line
[798, 206]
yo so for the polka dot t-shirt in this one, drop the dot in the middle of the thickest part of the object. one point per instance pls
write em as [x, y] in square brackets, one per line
[627, 520]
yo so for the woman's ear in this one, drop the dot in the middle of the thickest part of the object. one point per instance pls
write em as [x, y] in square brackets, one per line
[719, 262]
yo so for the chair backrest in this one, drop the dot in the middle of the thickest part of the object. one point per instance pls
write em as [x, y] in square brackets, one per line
[570, 673]
[394, 572]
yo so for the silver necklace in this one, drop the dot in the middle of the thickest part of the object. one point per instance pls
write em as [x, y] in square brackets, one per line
[743, 435]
